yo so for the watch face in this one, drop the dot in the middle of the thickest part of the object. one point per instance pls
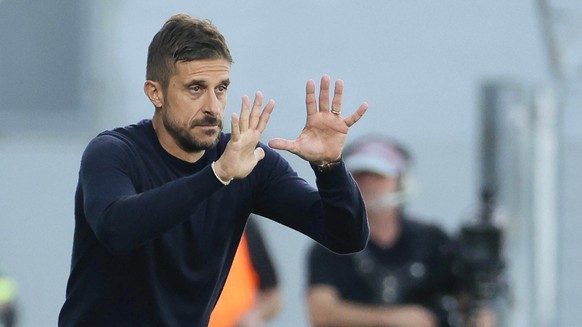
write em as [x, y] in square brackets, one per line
[327, 166]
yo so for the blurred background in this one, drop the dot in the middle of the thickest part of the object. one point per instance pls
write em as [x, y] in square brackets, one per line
[480, 91]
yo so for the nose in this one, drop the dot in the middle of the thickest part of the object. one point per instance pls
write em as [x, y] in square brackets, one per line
[212, 106]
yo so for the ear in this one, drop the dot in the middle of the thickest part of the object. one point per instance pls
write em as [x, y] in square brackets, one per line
[153, 91]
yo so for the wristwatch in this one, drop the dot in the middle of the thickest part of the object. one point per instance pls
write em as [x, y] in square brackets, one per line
[327, 166]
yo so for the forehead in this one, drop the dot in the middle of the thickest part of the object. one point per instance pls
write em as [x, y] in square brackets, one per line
[212, 69]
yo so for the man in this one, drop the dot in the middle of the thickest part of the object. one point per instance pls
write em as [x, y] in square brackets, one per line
[161, 205]
[405, 273]
[251, 296]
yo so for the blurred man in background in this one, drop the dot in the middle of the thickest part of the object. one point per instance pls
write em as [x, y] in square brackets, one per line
[404, 276]
[251, 296]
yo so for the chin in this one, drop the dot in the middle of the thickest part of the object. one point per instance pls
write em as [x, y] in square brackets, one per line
[208, 141]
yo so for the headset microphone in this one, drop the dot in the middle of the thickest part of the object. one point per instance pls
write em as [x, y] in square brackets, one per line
[392, 199]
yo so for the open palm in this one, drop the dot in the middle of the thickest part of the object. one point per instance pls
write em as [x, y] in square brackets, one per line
[324, 135]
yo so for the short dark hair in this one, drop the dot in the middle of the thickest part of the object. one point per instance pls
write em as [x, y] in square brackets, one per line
[183, 38]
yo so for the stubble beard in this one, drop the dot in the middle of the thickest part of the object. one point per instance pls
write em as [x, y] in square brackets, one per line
[185, 140]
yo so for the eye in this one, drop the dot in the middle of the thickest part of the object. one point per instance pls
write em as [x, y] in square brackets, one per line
[194, 88]
[221, 89]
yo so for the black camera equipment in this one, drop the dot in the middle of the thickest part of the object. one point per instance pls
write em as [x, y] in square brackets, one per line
[482, 263]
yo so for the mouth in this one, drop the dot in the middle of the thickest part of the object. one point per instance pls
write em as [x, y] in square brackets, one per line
[206, 123]
[209, 130]
[205, 126]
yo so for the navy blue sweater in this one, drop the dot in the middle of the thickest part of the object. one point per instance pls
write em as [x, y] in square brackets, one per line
[155, 236]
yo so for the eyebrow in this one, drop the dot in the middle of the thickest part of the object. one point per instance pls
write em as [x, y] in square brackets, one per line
[204, 83]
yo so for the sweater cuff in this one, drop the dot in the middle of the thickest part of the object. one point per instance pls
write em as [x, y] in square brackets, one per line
[337, 175]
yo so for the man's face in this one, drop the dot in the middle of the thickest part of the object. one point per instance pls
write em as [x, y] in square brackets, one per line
[373, 186]
[194, 103]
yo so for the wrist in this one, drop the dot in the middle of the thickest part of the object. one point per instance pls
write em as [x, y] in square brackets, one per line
[224, 181]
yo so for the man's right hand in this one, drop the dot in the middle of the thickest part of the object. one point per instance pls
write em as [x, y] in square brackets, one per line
[242, 154]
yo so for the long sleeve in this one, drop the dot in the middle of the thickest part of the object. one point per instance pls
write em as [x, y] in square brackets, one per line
[121, 218]
[332, 214]
[345, 224]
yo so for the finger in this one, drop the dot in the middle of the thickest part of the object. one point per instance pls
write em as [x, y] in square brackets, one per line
[353, 118]
[324, 93]
[336, 104]
[310, 97]
[244, 113]
[265, 115]
[234, 126]
[256, 111]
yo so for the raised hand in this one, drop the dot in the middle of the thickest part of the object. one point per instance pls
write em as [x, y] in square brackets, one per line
[325, 131]
[241, 154]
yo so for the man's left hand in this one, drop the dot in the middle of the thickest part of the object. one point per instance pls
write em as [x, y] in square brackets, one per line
[325, 131]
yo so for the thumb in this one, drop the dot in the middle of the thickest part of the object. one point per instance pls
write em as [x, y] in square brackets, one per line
[281, 144]
[259, 153]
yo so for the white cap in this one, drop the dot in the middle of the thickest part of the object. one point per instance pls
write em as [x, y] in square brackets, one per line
[377, 155]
